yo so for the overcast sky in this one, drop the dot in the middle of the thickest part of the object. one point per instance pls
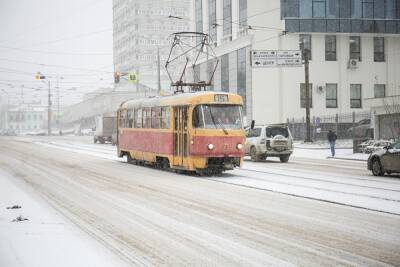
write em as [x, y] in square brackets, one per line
[56, 37]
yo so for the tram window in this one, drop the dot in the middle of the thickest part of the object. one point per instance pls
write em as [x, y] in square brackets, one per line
[122, 119]
[130, 118]
[138, 121]
[155, 117]
[146, 118]
[165, 113]
[197, 119]
[221, 117]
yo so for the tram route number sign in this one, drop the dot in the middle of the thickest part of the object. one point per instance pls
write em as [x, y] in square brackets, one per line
[275, 58]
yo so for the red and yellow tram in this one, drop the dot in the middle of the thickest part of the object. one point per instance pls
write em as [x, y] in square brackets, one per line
[201, 131]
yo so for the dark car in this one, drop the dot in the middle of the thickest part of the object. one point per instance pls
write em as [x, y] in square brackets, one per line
[386, 160]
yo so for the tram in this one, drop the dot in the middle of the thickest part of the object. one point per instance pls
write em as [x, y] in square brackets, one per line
[200, 131]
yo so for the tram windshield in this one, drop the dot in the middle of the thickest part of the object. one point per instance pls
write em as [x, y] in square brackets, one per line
[217, 117]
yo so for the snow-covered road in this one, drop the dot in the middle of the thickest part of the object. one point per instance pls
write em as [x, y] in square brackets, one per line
[152, 217]
[337, 181]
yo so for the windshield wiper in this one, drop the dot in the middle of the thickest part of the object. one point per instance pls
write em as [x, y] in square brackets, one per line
[215, 124]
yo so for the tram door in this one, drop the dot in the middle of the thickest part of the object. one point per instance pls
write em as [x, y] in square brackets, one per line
[181, 138]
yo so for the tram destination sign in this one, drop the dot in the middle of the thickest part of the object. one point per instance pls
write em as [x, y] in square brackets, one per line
[275, 58]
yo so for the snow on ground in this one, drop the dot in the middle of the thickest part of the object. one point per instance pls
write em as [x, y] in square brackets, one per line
[323, 144]
[341, 153]
[46, 238]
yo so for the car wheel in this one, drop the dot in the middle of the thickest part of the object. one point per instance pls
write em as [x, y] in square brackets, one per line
[253, 154]
[284, 158]
[377, 168]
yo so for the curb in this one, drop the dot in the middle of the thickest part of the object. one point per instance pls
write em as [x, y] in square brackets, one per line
[361, 160]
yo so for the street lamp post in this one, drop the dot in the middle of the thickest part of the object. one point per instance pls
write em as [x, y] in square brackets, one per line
[49, 110]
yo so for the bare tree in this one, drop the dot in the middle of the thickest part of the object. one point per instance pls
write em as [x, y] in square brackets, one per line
[392, 108]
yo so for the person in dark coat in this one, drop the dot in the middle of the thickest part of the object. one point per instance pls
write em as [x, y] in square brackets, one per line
[332, 141]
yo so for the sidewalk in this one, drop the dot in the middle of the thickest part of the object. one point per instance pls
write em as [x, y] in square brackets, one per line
[322, 151]
[340, 144]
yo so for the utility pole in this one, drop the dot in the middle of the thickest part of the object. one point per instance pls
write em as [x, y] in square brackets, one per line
[158, 71]
[49, 111]
[137, 79]
[307, 85]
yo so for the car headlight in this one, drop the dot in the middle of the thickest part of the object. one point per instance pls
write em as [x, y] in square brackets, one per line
[210, 146]
[239, 146]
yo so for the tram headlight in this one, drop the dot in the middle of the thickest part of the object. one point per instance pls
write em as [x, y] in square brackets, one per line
[239, 146]
[210, 146]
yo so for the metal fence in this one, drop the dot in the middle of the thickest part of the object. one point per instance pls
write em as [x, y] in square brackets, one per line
[356, 125]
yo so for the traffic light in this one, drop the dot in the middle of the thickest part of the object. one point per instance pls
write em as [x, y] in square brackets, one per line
[39, 76]
[132, 77]
[117, 76]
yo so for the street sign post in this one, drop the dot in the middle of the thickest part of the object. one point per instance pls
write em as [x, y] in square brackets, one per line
[275, 58]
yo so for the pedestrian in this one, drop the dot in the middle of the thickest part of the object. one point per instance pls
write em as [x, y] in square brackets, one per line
[332, 141]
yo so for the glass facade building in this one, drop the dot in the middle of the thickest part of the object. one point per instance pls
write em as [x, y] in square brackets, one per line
[345, 16]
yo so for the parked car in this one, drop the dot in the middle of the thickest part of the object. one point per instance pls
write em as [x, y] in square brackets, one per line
[376, 145]
[363, 129]
[385, 160]
[362, 147]
[269, 141]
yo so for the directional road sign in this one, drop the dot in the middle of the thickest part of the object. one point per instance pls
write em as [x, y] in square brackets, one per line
[276, 58]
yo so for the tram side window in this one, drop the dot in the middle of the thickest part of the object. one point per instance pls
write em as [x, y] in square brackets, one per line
[165, 113]
[138, 121]
[155, 117]
[146, 118]
[122, 119]
[197, 119]
[130, 118]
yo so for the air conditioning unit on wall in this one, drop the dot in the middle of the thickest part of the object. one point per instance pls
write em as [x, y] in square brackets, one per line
[352, 64]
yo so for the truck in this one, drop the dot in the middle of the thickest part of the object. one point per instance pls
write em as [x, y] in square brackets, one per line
[105, 129]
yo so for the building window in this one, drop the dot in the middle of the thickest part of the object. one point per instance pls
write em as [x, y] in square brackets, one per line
[355, 96]
[390, 9]
[319, 9]
[356, 9]
[355, 47]
[379, 90]
[379, 49]
[332, 9]
[368, 9]
[305, 43]
[303, 95]
[225, 73]
[241, 76]
[227, 17]
[330, 47]
[306, 8]
[212, 20]
[243, 13]
[331, 95]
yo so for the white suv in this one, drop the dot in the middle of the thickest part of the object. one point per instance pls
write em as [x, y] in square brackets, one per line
[269, 141]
